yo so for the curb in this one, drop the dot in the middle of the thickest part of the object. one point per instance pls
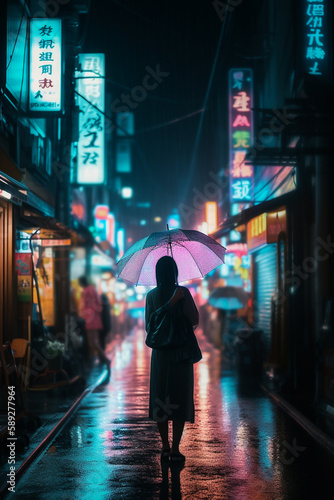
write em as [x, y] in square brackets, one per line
[53, 433]
[317, 434]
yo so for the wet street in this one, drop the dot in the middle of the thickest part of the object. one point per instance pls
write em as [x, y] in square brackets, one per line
[241, 447]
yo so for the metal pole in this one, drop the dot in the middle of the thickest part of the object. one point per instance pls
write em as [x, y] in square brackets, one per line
[170, 244]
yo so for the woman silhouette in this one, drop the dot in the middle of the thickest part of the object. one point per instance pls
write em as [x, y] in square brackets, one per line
[90, 311]
[171, 384]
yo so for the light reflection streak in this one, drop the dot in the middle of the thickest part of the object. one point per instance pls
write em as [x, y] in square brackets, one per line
[139, 352]
[123, 355]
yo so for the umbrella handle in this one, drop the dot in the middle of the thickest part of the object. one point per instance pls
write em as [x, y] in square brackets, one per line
[170, 243]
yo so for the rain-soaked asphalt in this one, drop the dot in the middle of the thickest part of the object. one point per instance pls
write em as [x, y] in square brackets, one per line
[241, 447]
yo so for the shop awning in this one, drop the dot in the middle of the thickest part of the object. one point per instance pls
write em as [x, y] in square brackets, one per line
[49, 228]
[54, 233]
[241, 219]
[15, 191]
[10, 180]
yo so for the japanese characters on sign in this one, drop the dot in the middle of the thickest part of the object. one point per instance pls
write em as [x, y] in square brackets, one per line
[316, 13]
[241, 134]
[265, 228]
[91, 102]
[257, 232]
[45, 71]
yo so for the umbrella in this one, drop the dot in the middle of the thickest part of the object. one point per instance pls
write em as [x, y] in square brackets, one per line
[195, 254]
[228, 297]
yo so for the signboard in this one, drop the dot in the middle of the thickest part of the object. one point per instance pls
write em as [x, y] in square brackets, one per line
[316, 37]
[43, 261]
[241, 134]
[276, 222]
[211, 215]
[125, 123]
[56, 243]
[100, 221]
[111, 229]
[23, 268]
[120, 236]
[101, 211]
[123, 157]
[91, 102]
[257, 232]
[45, 65]
[78, 204]
[265, 228]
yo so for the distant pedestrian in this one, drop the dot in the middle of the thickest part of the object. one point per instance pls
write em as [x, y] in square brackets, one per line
[90, 311]
[106, 319]
[171, 383]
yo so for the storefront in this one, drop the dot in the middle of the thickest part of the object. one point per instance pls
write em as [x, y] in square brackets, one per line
[40, 259]
[266, 241]
[12, 194]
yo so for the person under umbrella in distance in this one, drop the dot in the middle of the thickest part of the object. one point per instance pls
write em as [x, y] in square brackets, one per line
[171, 384]
[90, 311]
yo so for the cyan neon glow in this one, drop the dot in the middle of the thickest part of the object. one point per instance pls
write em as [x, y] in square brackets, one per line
[120, 242]
[173, 221]
[241, 134]
[127, 192]
[316, 41]
[45, 69]
[91, 101]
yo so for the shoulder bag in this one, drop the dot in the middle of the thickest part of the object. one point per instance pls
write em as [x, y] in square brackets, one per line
[168, 328]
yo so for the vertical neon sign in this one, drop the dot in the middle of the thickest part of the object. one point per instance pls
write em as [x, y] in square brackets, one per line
[316, 29]
[91, 101]
[45, 72]
[241, 134]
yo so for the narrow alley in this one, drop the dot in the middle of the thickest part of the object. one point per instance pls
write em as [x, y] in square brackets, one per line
[242, 446]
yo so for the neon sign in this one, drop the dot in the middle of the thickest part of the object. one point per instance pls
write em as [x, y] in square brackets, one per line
[265, 228]
[90, 86]
[241, 134]
[211, 215]
[316, 37]
[45, 65]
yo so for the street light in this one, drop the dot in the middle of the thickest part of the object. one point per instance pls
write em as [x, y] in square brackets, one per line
[127, 192]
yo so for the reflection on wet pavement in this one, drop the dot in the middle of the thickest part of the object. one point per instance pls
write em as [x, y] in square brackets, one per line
[241, 446]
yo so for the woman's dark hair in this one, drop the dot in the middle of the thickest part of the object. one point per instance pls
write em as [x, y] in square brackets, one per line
[166, 271]
[83, 281]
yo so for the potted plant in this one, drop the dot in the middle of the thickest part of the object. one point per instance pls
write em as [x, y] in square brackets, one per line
[54, 354]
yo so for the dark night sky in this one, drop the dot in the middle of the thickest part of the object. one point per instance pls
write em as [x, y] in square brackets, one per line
[181, 37]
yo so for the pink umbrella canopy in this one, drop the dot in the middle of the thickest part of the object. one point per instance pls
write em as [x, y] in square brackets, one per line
[195, 254]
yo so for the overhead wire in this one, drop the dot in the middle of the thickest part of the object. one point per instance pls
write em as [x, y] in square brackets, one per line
[3, 84]
[17, 35]
[269, 181]
[23, 68]
[171, 122]
[291, 174]
[117, 126]
[199, 130]
[124, 87]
